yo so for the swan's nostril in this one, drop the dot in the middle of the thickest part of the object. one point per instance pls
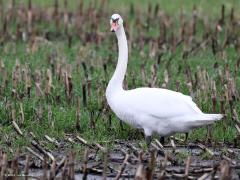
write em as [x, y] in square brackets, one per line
[115, 20]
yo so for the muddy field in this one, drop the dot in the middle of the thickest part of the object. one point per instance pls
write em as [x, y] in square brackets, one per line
[125, 160]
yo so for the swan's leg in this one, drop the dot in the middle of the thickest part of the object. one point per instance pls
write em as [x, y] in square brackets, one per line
[186, 137]
[162, 140]
[148, 140]
[148, 136]
[121, 125]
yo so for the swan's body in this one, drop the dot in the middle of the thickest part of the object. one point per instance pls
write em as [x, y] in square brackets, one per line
[153, 109]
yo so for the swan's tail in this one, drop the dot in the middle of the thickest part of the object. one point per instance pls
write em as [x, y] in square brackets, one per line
[204, 119]
[200, 119]
[211, 117]
[192, 121]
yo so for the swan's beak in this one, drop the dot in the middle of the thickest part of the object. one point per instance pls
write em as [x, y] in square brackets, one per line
[114, 27]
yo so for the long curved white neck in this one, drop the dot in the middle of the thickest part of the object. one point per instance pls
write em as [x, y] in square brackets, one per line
[116, 82]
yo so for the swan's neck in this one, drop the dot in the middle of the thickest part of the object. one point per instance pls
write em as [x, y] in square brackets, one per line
[116, 82]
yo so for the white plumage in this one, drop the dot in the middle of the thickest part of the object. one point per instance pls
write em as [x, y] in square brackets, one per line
[152, 109]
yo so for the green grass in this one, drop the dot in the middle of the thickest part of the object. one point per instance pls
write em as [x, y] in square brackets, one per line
[64, 113]
[171, 6]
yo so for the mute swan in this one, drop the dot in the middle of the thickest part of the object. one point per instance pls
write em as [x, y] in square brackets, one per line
[153, 109]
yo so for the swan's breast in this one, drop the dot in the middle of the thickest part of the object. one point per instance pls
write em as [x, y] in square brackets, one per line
[123, 111]
[128, 118]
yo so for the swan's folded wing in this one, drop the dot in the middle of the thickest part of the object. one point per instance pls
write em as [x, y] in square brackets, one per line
[161, 103]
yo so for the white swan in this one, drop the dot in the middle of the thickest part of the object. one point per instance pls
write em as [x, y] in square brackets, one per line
[153, 109]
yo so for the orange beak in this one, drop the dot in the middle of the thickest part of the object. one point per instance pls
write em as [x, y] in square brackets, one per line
[114, 27]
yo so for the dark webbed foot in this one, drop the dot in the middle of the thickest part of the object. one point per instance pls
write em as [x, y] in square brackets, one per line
[148, 140]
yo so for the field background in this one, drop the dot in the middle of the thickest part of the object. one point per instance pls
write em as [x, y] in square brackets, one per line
[90, 65]
[211, 7]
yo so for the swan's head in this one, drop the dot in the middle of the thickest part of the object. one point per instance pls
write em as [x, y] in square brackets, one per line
[116, 22]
